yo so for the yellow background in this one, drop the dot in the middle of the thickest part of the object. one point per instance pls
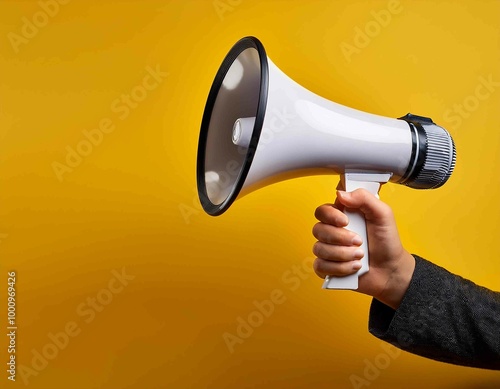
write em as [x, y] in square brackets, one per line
[125, 205]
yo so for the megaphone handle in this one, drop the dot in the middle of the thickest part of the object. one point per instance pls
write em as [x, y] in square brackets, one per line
[350, 182]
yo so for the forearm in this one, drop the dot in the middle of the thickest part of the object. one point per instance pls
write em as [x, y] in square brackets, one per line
[398, 281]
[443, 317]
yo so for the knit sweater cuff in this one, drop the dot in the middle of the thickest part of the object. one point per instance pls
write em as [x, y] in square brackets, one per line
[396, 326]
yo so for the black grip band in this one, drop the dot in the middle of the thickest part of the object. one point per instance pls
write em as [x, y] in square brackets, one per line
[419, 146]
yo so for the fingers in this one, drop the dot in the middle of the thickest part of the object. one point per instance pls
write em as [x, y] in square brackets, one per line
[325, 268]
[336, 253]
[329, 214]
[372, 207]
[330, 234]
[337, 250]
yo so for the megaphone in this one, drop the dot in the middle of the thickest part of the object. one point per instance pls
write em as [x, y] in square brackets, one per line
[260, 127]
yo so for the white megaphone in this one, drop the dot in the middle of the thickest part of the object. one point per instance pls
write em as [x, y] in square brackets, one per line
[260, 127]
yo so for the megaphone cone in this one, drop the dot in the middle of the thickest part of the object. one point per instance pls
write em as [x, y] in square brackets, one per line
[260, 127]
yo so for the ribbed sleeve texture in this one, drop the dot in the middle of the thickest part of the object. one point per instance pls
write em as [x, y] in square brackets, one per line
[443, 317]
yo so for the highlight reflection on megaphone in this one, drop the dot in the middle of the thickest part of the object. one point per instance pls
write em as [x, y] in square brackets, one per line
[260, 127]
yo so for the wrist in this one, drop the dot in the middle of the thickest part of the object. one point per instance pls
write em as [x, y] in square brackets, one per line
[398, 281]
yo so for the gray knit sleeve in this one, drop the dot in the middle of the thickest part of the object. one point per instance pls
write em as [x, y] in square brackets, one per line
[443, 317]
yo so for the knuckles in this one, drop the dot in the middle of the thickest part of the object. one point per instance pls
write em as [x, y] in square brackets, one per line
[318, 266]
[319, 212]
[317, 230]
[325, 213]
[386, 210]
[317, 249]
[323, 268]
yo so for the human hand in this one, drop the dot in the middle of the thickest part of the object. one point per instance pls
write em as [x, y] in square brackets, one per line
[338, 252]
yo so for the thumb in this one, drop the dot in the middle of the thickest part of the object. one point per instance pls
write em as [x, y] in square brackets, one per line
[373, 209]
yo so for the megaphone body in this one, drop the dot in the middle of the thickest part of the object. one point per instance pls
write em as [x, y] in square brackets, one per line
[260, 127]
